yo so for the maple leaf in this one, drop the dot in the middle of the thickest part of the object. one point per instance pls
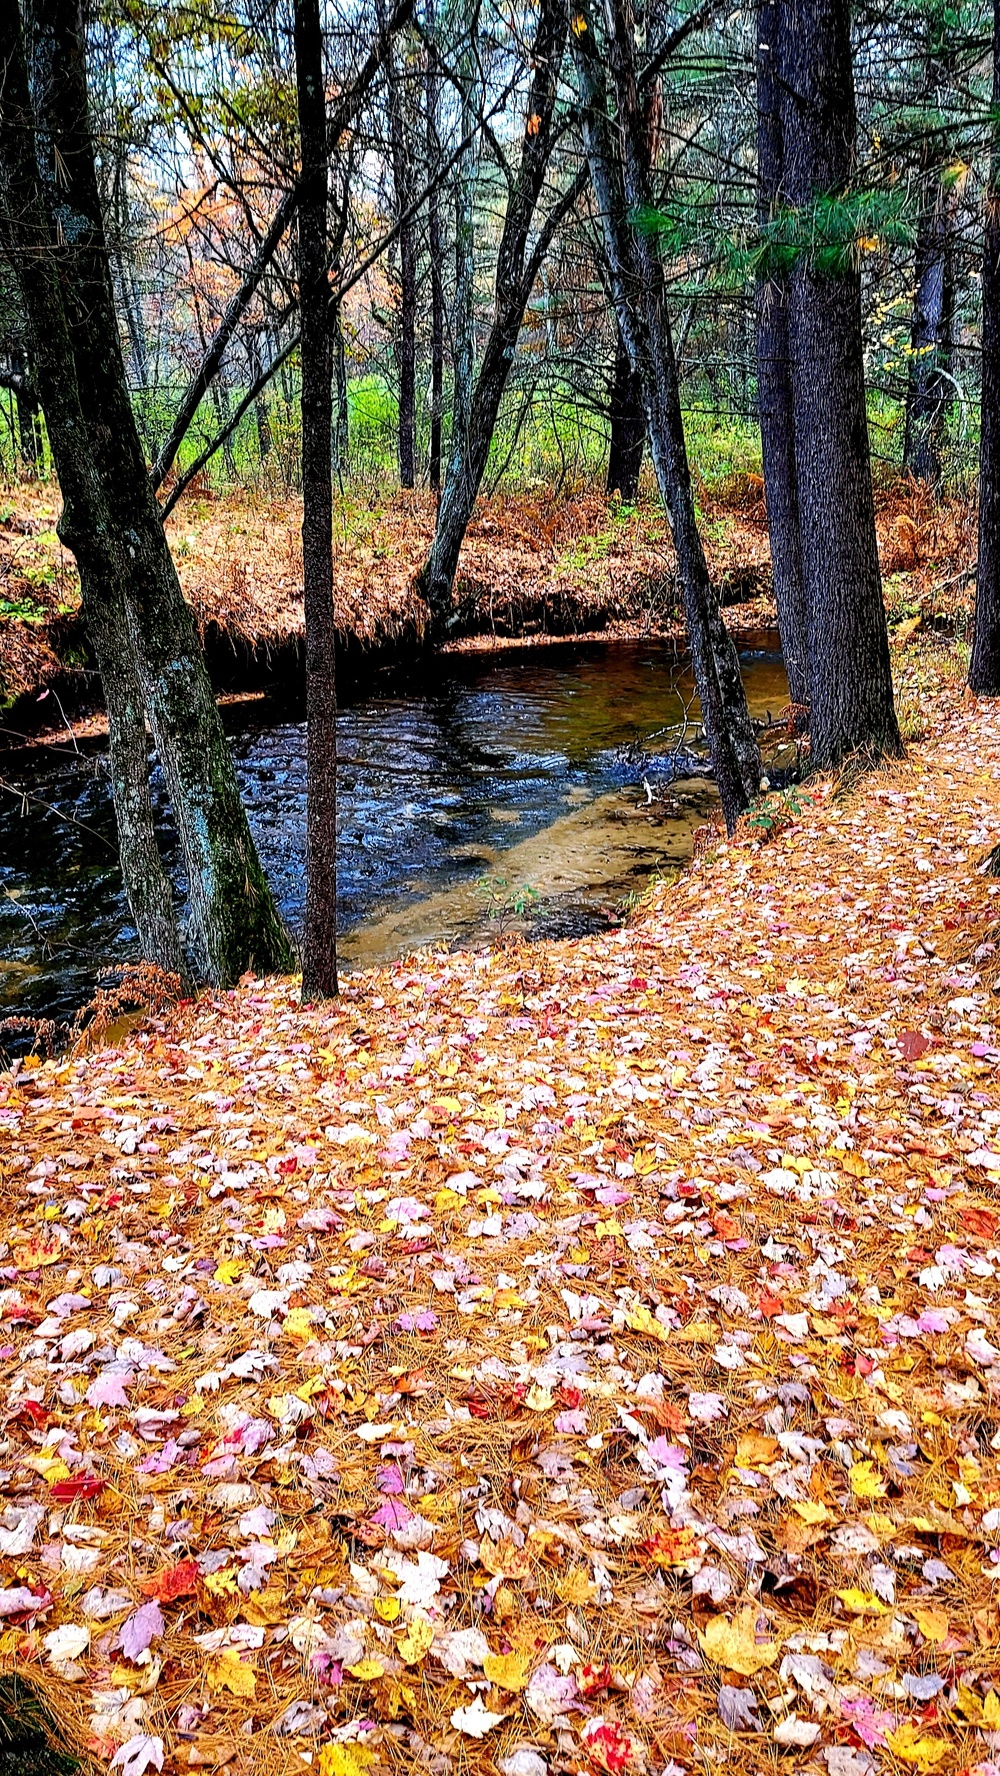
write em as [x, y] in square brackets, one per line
[734, 1645]
[475, 1720]
[140, 1629]
[227, 1671]
[138, 1754]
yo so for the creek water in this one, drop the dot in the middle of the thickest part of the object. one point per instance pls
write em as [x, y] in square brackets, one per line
[536, 788]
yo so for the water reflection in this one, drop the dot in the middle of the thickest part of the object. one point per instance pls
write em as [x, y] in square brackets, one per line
[526, 769]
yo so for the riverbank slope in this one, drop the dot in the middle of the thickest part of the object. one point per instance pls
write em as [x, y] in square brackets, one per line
[580, 1356]
[533, 566]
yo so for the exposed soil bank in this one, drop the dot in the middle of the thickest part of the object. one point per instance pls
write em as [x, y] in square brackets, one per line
[533, 568]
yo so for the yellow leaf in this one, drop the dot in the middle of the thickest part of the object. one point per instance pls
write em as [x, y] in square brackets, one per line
[298, 1324]
[538, 1399]
[366, 1670]
[228, 1672]
[387, 1609]
[861, 1603]
[913, 1747]
[222, 1584]
[991, 1711]
[509, 1671]
[932, 1622]
[610, 1229]
[641, 1320]
[865, 1483]
[416, 1643]
[734, 1644]
[229, 1271]
[810, 1510]
[343, 1760]
[192, 1407]
[576, 1587]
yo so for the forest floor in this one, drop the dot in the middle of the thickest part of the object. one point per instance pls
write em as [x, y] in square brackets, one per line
[581, 1356]
[532, 566]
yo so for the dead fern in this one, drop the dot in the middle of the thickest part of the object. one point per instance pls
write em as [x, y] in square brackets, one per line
[139, 986]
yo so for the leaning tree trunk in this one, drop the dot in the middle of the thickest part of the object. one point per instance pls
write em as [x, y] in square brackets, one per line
[627, 439]
[984, 668]
[319, 954]
[234, 924]
[85, 524]
[401, 149]
[621, 190]
[435, 245]
[852, 710]
[774, 379]
[515, 275]
[928, 394]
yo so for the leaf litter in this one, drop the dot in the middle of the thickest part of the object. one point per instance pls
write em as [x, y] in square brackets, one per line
[579, 1357]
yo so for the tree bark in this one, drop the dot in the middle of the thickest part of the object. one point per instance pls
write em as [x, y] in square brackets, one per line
[621, 190]
[85, 523]
[774, 379]
[984, 667]
[435, 244]
[463, 319]
[852, 710]
[233, 920]
[627, 440]
[401, 155]
[319, 950]
[928, 394]
[516, 272]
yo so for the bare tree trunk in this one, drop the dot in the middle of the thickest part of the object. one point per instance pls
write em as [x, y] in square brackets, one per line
[929, 390]
[627, 440]
[774, 377]
[852, 710]
[516, 273]
[621, 190]
[319, 950]
[110, 519]
[341, 411]
[984, 668]
[463, 320]
[435, 243]
[401, 154]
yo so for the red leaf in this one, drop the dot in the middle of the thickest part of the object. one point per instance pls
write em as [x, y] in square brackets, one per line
[912, 1044]
[175, 1581]
[78, 1486]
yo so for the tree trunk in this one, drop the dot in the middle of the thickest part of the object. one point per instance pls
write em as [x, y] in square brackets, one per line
[928, 394]
[401, 150]
[261, 412]
[628, 426]
[984, 668]
[516, 272]
[463, 320]
[147, 886]
[28, 417]
[85, 524]
[774, 380]
[621, 189]
[852, 710]
[111, 520]
[435, 243]
[319, 950]
[341, 439]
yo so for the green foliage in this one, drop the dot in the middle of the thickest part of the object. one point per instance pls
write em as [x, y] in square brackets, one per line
[503, 903]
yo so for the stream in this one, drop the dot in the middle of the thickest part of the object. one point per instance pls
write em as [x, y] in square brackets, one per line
[534, 788]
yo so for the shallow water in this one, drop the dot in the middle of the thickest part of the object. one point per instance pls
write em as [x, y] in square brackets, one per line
[495, 790]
